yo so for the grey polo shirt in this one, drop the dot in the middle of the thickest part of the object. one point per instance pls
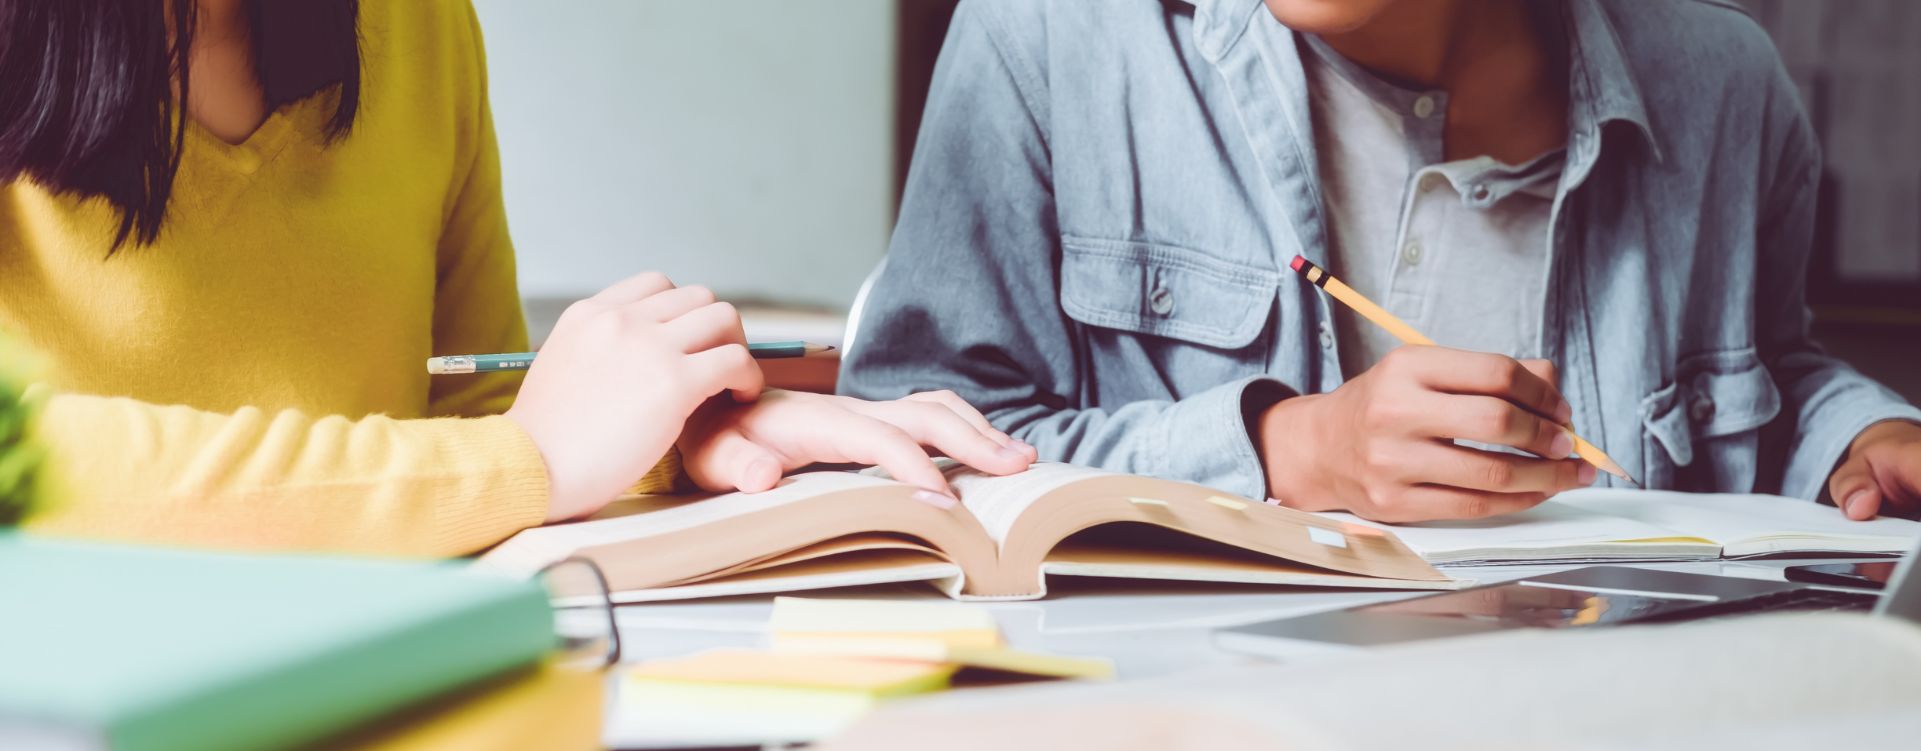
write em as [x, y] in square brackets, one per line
[1457, 249]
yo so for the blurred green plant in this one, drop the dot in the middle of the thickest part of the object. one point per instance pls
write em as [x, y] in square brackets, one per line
[19, 457]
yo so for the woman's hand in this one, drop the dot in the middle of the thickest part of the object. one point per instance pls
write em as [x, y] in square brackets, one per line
[1382, 445]
[618, 378]
[748, 447]
[1882, 472]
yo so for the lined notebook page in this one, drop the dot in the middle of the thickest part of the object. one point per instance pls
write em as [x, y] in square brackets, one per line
[1730, 518]
[1547, 527]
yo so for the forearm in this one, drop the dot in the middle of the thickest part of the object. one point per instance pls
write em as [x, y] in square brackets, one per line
[1205, 438]
[122, 469]
[1832, 404]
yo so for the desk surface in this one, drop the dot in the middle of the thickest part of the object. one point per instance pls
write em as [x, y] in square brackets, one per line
[1148, 628]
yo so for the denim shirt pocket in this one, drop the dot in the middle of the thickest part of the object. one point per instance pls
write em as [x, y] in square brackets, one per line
[1702, 431]
[1204, 313]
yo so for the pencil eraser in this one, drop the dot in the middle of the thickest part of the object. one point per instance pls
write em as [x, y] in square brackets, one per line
[1296, 263]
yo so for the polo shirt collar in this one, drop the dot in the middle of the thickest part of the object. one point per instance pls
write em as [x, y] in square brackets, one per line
[1602, 85]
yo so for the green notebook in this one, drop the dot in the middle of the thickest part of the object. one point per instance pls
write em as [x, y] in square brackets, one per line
[149, 649]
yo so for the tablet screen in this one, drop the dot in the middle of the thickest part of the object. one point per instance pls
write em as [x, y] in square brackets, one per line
[1519, 605]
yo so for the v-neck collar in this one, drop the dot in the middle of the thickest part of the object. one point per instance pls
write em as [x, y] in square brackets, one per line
[259, 148]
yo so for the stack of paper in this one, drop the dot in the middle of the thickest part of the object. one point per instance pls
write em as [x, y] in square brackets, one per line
[829, 663]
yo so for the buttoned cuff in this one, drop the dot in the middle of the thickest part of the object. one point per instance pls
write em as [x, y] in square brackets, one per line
[1208, 438]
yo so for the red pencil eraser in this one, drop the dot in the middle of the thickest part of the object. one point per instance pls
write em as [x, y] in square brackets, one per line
[1296, 263]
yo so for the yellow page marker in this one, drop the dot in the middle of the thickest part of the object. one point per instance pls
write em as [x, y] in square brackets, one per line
[1226, 503]
[953, 624]
[1327, 537]
[1147, 501]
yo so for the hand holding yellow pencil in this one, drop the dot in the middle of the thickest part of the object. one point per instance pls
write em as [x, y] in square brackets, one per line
[1379, 316]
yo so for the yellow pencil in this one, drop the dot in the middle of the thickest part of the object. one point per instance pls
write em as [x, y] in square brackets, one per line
[1399, 328]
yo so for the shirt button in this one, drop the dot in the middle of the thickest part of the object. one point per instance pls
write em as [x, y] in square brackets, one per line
[1423, 107]
[1702, 409]
[1411, 252]
[1161, 301]
[1327, 337]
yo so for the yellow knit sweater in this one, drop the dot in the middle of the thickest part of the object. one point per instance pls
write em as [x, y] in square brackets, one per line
[255, 378]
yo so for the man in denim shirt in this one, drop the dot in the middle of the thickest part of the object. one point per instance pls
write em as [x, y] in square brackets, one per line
[1105, 196]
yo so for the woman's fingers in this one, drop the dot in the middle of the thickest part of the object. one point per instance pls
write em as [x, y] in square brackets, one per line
[1473, 469]
[726, 368]
[706, 327]
[866, 440]
[939, 427]
[633, 288]
[973, 417]
[726, 460]
[671, 304]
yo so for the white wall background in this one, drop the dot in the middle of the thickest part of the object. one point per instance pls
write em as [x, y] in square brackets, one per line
[745, 145]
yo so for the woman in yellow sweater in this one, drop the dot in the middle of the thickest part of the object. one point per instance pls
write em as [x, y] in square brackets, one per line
[235, 230]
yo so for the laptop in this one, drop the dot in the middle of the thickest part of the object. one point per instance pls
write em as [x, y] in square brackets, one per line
[1580, 598]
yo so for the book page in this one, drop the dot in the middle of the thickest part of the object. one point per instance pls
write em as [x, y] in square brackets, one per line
[998, 501]
[1740, 521]
[1548, 527]
[651, 516]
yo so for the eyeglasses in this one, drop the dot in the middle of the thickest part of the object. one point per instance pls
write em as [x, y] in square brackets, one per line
[583, 614]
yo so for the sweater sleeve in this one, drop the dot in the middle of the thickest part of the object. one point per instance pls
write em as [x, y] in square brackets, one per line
[252, 480]
[476, 298]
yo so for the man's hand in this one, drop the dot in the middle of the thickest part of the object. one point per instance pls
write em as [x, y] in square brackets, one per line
[1382, 445]
[729, 446]
[1882, 472]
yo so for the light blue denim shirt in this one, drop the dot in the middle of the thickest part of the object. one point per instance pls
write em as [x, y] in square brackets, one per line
[1094, 241]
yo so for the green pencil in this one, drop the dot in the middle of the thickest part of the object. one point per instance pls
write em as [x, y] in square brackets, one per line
[457, 364]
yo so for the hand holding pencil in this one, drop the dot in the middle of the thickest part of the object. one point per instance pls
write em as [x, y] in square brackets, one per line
[1383, 445]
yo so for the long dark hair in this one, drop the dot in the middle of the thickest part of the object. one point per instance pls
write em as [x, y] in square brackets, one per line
[87, 104]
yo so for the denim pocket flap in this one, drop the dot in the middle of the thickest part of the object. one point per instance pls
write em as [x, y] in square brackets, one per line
[1166, 291]
[1713, 395]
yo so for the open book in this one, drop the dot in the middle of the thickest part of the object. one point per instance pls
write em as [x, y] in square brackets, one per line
[832, 529]
[1649, 525]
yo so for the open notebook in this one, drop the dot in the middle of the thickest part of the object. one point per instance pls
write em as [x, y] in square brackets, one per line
[834, 529]
[1650, 525]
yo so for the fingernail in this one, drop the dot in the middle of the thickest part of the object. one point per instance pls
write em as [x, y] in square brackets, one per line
[1854, 498]
[762, 467]
[1562, 445]
[1563, 413]
[1585, 475]
[1009, 452]
[1006, 440]
[937, 500]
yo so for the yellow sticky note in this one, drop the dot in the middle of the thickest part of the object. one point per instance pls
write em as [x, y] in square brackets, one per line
[950, 623]
[790, 670]
[1226, 503]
